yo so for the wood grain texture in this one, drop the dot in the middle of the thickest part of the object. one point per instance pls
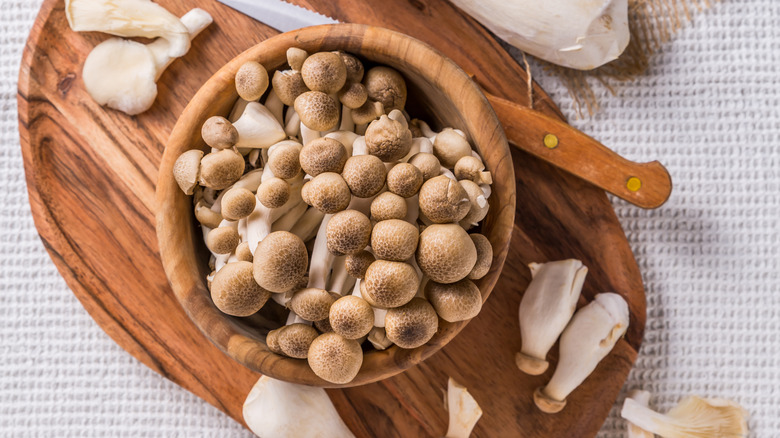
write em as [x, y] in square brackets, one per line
[91, 177]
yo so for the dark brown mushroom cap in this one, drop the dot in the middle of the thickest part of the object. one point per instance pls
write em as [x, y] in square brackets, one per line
[323, 155]
[222, 240]
[317, 110]
[348, 232]
[324, 71]
[235, 292]
[311, 304]
[412, 324]
[387, 86]
[389, 284]
[237, 203]
[484, 256]
[327, 192]
[357, 264]
[251, 80]
[443, 200]
[280, 261]
[365, 175]
[388, 205]
[273, 192]
[219, 133]
[288, 85]
[351, 317]
[295, 339]
[388, 139]
[404, 180]
[335, 358]
[446, 254]
[394, 239]
[218, 170]
[454, 302]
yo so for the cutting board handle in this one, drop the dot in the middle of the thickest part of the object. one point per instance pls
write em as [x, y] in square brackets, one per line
[646, 185]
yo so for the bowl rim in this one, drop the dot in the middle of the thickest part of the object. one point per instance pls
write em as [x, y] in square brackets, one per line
[174, 232]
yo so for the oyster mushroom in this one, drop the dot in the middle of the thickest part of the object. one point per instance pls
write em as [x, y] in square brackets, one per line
[446, 254]
[351, 317]
[389, 284]
[394, 240]
[464, 412]
[323, 155]
[251, 80]
[388, 139]
[388, 205]
[186, 170]
[280, 261]
[386, 86]
[335, 358]
[454, 302]
[405, 180]
[258, 127]
[348, 232]
[443, 200]
[412, 324]
[365, 175]
[235, 292]
[324, 71]
[484, 256]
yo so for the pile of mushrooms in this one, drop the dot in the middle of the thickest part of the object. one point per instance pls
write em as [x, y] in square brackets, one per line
[327, 199]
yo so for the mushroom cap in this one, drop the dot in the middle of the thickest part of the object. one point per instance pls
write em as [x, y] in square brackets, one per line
[295, 57]
[446, 254]
[479, 205]
[284, 161]
[387, 86]
[273, 192]
[404, 180]
[412, 324]
[348, 232]
[353, 95]
[251, 80]
[219, 133]
[351, 317]
[469, 167]
[294, 340]
[357, 264]
[327, 192]
[288, 85]
[237, 203]
[235, 292]
[354, 67]
[272, 340]
[414, 126]
[388, 205]
[311, 304]
[484, 256]
[206, 216]
[454, 302]
[218, 170]
[388, 139]
[243, 253]
[365, 175]
[367, 112]
[334, 358]
[443, 200]
[394, 239]
[449, 147]
[280, 261]
[186, 170]
[323, 326]
[324, 71]
[427, 163]
[317, 110]
[389, 284]
[222, 240]
[323, 155]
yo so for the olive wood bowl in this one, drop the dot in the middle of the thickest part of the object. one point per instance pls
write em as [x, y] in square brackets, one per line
[439, 92]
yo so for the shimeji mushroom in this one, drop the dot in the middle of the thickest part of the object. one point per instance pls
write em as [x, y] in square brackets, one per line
[388, 139]
[428, 164]
[317, 111]
[324, 71]
[288, 85]
[378, 338]
[258, 128]
[394, 240]
[464, 412]
[222, 240]
[237, 203]
[412, 324]
[220, 169]
[389, 284]
[279, 409]
[346, 138]
[251, 80]
[589, 337]
[295, 339]
[311, 304]
[446, 254]
[348, 232]
[366, 113]
[388, 205]
[235, 292]
[296, 57]
[284, 159]
[357, 264]
[449, 147]
[472, 169]
[280, 261]
[335, 358]
[219, 133]
[186, 170]
[479, 204]
[443, 200]
[546, 308]
[273, 192]
[351, 317]
[327, 192]
[323, 155]
[243, 254]
[386, 86]
[353, 95]
[405, 180]
[454, 302]
[355, 69]
[365, 175]
[484, 256]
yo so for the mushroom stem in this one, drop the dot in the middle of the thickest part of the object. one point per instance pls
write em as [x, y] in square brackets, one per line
[294, 318]
[340, 281]
[237, 110]
[693, 417]
[308, 134]
[642, 398]
[346, 138]
[258, 127]
[292, 125]
[260, 221]
[359, 146]
[275, 105]
[288, 221]
[346, 119]
[321, 258]
[464, 412]
[306, 227]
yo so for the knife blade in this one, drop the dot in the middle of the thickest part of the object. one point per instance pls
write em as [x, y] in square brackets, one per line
[279, 14]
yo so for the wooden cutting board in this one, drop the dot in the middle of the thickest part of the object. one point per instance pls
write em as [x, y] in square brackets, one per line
[91, 176]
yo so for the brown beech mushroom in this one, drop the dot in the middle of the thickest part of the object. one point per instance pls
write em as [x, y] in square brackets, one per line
[284, 161]
[365, 175]
[427, 163]
[443, 200]
[357, 264]
[235, 292]
[368, 112]
[273, 192]
[243, 254]
[251, 80]
[311, 304]
[272, 340]
[472, 169]
[280, 261]
[335, 358]
[484, 256]
[394, 239]
[353, 95]
[353, 65]
[296, 57]
[404, 180]
[388, 139]
[324, 71]
[237, 203]
[219, 133]
[351, 317]
[388, 205]
[412, 324]
[389, 284]
[206, 216]
[222, 240]
[479, 205]
[327, 192]
[317, 110]
[218, 170]
[323, 155]
[454, 302]
[294, 340]
[186, 170]
[348, 232]
[288, 85]
[387, 86]
[323, 326]
[446, 254]
[449, 147]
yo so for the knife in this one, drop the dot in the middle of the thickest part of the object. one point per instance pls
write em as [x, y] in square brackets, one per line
[646, 185]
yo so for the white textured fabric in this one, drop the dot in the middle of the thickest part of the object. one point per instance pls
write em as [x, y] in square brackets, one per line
[709, 108]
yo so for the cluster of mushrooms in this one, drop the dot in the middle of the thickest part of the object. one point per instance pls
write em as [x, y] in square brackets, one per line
[329, 200]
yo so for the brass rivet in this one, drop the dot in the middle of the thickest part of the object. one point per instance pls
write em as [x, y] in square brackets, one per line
[551, 141]
[633, 184]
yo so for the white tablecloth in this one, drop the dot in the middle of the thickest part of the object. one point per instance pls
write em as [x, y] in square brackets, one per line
[709, 108]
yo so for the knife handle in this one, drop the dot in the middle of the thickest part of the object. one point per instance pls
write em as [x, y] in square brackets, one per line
[646, 185]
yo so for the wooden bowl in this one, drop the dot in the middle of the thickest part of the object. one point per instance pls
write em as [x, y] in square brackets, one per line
[439, 92]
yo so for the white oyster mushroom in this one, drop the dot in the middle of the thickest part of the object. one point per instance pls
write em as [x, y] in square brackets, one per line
[642, 398]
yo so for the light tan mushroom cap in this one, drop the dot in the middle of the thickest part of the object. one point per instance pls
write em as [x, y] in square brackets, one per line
[394, 239]
[411, 325]
[449, 147]
[280, 261]
[470, 168]
[243, 253]
[288, 85]
[222, 240]
[219, 133]
[324, 71]
[404, 180]
[388, 205]
[427, 163]
[388, 139]
[446, 254]
[354, 67]
[351, 317]
[284, 161]
[218, 170]
[186, 170]
[357, 264]
[273, 192]
[237, 203]
[317, 110]
[206, 216]
[251, 80]
[235, 292]
[387, 86]
[311, 304]
[458, 301]
[334, 358]
[272, 340]
[367, 112]
[295, 57]
[328, 192]
[365, 175]
[295, 339]
[353, 95]
[323, 155]
[479, 207]
[484, 256]
[348, 232]
[389, 284]
[443, 200]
